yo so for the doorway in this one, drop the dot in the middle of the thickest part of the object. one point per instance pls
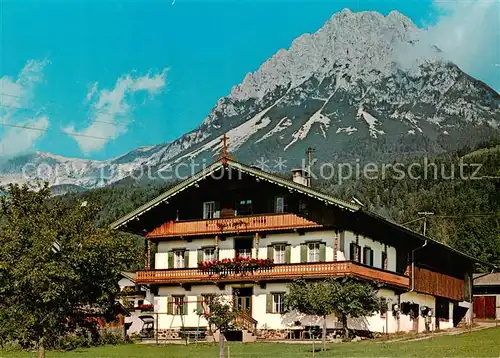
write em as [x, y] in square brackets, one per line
[485, 307]
[243, 247]
[243, 298]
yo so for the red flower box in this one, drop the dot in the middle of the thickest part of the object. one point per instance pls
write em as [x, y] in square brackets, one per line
[238, 264]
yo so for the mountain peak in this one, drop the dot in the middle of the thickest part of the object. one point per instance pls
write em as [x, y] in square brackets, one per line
[363, 40]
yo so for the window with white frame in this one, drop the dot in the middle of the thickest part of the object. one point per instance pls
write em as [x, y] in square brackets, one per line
[179, 259]
[313, 252]
[279, 253]
[246, 253]
[209, 254]
[178, 305]
[280, 204]
[209, 210]
[278, 302]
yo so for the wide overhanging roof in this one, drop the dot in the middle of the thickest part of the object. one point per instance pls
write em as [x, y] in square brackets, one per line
[232, 164]
[229, 163]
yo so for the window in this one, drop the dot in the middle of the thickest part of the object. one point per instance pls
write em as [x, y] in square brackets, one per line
[178, 307]
[313, 252]
[140, 302]
[279, 254]
[244, 252]
[244, 207]
[209, 210]
[179, 259]
[278, 302]
[367, 256]
[279, 206]
[209, 254]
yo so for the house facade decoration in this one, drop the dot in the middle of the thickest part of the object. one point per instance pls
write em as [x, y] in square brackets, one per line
[231, 210]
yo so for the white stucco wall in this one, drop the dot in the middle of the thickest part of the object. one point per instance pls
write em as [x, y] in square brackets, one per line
[375, 323]
[226, 247]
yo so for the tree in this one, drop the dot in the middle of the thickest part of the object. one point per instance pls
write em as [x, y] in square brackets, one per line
[314, 298]
[342, 297]
[56, 267]
[221, 313]
[354, 298]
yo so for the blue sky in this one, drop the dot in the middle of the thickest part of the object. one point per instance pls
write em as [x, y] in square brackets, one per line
[154, 67]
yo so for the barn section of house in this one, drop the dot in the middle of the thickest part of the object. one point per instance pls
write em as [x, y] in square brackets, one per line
[230, 209]
[486, 291]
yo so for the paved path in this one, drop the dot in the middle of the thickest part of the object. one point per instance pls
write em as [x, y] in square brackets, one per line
[451, 332]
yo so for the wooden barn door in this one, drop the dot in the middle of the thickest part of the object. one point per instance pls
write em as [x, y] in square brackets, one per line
[490, 307]
[485, 307]
[479, 307]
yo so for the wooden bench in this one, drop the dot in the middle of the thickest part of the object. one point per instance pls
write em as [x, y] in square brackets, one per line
[193, 332]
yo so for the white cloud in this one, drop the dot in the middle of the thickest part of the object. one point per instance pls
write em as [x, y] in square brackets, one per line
[19, 140]
[468, 34]
[111, 109]
[16, 95]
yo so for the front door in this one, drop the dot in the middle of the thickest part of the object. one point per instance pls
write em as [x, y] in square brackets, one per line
[243, 297]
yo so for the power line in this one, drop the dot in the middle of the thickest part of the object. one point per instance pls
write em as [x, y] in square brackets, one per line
[95, 111]
[45, 130]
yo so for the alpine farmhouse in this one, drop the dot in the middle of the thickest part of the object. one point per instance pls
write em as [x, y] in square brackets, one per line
[230, 210]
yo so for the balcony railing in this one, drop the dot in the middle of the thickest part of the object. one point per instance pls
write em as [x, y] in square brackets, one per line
[237, 224]
[277, 272]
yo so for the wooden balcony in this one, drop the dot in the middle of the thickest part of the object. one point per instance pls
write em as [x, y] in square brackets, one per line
[237, 224]
[276, 273]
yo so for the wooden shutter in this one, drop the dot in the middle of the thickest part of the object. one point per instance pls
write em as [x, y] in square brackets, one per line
[217, 209]
[185, 305]
[322, 252]
[303, 252]
[186, 258]
[270, 250]
[170, 259]
[341, 237]
[365, 255]
[288, 254]
[170, 305]
[199, 305]
[269, 303]
[352, 251]
[200, 255]
[384, 260]
[371, 257]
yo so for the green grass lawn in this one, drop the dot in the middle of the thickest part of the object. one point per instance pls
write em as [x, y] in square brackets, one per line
[484, 343]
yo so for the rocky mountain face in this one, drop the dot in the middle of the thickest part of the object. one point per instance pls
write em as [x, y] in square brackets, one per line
[358, 88]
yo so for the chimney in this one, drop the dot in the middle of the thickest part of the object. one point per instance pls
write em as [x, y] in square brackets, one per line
[301, 176]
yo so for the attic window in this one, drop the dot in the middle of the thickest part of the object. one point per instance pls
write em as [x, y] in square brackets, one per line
[208, 210]
[279, 204]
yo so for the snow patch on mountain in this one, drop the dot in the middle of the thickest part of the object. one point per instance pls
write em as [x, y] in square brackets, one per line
[282, 125]
[317, 117]
[372, 122]
[349, 130]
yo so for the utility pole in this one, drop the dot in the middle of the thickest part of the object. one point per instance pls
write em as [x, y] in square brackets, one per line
[425, 214]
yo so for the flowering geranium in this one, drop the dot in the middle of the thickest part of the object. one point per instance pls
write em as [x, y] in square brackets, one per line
[145, 307]
[235, 265]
